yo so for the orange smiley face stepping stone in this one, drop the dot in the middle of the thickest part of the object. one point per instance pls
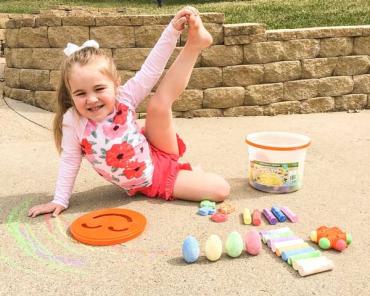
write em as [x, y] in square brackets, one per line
[108, 226]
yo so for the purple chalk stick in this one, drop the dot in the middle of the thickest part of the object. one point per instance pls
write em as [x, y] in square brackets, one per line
[272, 241]
[282, 239]
[269, 216]
[291, 216]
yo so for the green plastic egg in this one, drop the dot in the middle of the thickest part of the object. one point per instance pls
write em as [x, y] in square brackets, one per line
[234, 244]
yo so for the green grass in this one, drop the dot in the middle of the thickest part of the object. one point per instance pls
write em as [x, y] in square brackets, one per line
[277, 14]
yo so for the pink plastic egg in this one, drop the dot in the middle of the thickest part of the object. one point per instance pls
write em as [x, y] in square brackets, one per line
[253, 243]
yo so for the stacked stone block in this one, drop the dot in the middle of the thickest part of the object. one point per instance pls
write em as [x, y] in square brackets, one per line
[249, 70]
[3, 19]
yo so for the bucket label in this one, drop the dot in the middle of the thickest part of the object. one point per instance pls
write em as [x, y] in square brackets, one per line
[284, 175]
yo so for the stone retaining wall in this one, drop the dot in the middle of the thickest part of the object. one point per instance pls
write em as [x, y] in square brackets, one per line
[249, 70]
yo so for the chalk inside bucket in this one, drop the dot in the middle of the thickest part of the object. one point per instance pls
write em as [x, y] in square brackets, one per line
[276, 160]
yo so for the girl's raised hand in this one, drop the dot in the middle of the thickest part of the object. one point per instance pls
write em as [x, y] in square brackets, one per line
[49, 207]
[182, 17]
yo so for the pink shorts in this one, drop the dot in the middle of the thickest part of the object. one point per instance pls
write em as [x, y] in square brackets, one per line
[166, 168]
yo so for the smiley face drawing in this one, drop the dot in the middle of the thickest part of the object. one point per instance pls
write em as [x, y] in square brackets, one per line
[108, 226]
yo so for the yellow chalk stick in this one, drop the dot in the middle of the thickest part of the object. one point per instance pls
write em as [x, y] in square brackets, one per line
[247, 216]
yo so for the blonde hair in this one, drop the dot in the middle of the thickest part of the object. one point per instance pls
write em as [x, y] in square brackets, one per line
[64, 97]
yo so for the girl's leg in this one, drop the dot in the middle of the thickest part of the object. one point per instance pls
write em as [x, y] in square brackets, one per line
[159, 128]
[199, 185]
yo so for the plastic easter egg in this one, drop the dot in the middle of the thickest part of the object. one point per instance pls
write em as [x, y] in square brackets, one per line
[253, 243]
[213, 248]
[234, 244]
[190, 249]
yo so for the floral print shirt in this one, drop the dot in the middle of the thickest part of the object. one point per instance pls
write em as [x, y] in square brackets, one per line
[117, 150]
[115, 147]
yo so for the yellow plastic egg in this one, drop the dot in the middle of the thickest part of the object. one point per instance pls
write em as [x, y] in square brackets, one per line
[213, 248]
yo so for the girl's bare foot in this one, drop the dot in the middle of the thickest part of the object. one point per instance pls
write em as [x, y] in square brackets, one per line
[198, 35]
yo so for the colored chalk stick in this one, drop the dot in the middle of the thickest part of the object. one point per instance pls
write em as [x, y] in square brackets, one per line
[273, 241]
[286, 254]
[312, 254]
[277, 230]
[286, 243]
[313, 265]
[269, 216]
[280, 250]
[256, 217]
[291, 216]
[247, 218]
[278, 214]
[268, 236]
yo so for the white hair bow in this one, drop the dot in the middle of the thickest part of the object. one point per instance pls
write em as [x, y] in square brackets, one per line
[72, 48]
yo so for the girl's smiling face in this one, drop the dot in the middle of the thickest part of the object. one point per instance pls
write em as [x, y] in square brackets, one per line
[93, 92]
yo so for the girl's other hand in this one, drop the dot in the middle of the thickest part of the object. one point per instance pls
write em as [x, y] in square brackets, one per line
[46, 208]
[182, 17]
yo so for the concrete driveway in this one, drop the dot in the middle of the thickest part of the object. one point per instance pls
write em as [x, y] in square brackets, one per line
[38, 257]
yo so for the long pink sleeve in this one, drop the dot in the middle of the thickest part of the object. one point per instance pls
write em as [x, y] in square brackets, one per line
[136, 89]
[139, 86]
[70, 159]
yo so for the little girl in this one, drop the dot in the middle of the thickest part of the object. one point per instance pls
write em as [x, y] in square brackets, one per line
[96, 119]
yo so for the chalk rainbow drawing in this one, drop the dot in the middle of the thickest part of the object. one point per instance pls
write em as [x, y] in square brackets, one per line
[75, 256]
[29, 245]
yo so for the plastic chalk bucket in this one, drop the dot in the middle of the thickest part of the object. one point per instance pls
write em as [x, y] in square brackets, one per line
[276, 161]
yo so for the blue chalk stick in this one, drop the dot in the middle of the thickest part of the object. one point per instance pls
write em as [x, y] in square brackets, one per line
[278, 214]
[286, 254]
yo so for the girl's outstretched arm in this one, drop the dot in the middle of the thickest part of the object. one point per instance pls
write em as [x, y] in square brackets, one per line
[138, 87]
[70, 161]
